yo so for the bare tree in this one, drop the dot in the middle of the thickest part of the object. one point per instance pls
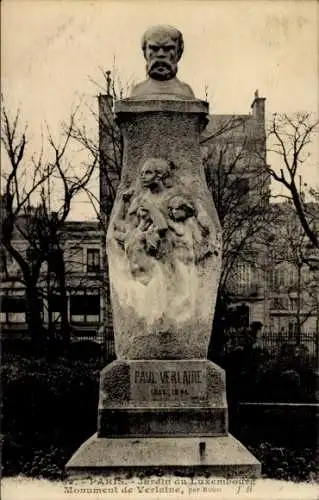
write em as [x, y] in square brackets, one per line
[16, 212]
[292, 281]
[239, 185]
[26, 212]
[224, 127]
[290, 139]
[240, 189]
[108, 151]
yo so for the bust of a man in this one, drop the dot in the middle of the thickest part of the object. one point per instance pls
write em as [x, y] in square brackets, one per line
[162, 48]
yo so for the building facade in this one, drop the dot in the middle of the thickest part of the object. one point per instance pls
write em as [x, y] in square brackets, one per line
[291, 274]
[235, 146]
[84, 277]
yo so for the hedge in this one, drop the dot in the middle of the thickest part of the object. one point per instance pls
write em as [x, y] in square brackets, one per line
[50, 408]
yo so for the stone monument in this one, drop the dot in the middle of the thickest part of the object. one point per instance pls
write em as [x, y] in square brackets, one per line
[162, 403]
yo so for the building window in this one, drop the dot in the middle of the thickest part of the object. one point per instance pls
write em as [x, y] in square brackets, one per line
[13, 309]
[292, 277]
[75, 262]
[85, 308]
[93, 260]
[280, 276]
[244, 274]
[293, 303]
[279, 303]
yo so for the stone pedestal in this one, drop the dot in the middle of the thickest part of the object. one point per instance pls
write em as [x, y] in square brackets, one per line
[222, 456]
[164, 415]
[162, 398]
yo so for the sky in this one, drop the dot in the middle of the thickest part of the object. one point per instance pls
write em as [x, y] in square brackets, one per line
[51, 51]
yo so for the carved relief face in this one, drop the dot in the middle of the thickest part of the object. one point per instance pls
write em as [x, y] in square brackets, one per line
[153, 172]
[179, 209]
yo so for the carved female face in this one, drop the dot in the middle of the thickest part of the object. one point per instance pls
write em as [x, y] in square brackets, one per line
[180, 209]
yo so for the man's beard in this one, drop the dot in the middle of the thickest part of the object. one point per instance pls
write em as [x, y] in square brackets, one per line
[161, 70]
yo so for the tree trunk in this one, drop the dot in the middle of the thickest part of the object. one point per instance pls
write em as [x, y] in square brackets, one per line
[218, 338]
[108, 334]
[60, 275]
[33, 314]
[298, 333]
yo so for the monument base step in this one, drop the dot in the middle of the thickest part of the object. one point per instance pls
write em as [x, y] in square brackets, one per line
[219, 456]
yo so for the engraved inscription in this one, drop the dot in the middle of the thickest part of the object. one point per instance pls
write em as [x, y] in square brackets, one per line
[150, 381]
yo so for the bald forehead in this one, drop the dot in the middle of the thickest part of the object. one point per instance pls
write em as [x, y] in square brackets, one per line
[160, 39]
[161, 33]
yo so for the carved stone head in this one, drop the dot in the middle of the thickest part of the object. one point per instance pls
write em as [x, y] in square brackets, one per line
[162, 47]
[154, 172]
[180, 208]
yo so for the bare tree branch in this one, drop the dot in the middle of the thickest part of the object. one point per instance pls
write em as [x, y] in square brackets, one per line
[292, 136]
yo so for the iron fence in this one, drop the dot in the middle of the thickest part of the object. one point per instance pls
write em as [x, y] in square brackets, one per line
[305, 345]
[307, 342]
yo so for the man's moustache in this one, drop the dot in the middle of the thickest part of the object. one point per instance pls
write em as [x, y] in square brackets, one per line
[160, 64]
